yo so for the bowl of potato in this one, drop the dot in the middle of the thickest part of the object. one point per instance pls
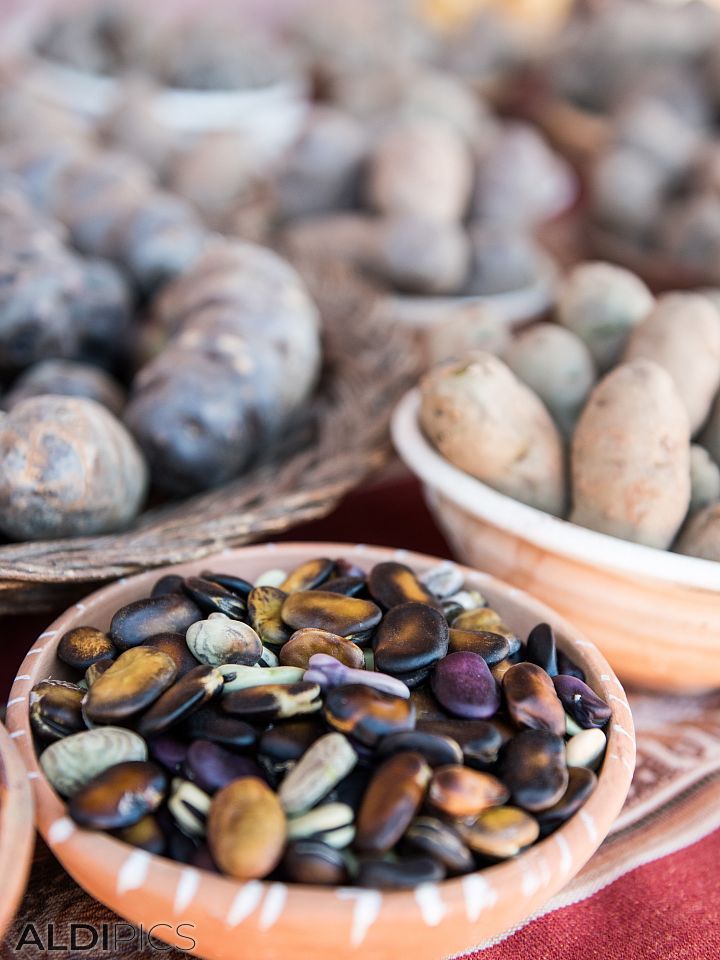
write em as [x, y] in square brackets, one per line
[582, 466]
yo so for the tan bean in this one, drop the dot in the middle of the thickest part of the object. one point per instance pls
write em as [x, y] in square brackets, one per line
[531, 699]
[308, 575]
[83, 646]
[264, 606]
[330, 611]
[132, 683]
[502, 832]
[246, 829]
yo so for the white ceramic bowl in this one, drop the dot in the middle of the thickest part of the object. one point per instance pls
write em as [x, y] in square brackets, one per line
[654, 614]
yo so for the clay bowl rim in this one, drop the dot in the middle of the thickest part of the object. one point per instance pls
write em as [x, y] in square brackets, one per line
[542, 529]
[17, 828]
[574, 842]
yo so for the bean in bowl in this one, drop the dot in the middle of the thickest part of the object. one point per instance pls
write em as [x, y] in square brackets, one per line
[324, 725]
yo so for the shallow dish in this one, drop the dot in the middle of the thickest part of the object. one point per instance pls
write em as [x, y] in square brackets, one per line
[654, 614]
[17, 829]
[274, 920]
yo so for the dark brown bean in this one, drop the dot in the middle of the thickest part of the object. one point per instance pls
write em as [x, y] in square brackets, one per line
[531, 699]
[234, 584]
[392, 799]
[492, 647]
[411, 637]
[136, 622]
[482, 750]
[437, 750]
[56, 709]
[347, 586]
[540, 648]
[212, 598]
[135, 680]
[440, 841]
[314, 862]
[186, 696]
[581, 783]
[304, 643]
[210, 723]
[308, 575]
[273, 701]
[289, 741]
[120, 796]
[83, 646]
[330, 611]
[146, 834]
[400, 874]
[393, 583]
[170, 583]
[175, 646]
[96, 670]
[534, 769]
[458, 791]
[365, 714]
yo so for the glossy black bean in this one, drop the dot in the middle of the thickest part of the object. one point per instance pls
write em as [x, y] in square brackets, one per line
[136, 622]
[212, 598]
[534, 769]
[289, 740]
[540, 648]
[170, 583]
[412, 636]
[210, 723]
[568, 667]
[347, 586]
[482, 751]
[234, 584]
[437, 750]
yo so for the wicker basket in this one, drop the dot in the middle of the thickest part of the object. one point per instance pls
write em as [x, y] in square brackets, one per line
[341, 439]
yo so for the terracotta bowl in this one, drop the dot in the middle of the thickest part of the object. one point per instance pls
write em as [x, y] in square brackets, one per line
[654, 614]
[276, 921]
[17, 829]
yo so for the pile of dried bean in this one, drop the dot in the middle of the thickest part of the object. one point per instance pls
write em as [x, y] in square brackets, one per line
[325, 726]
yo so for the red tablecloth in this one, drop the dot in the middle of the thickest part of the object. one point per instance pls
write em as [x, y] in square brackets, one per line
[652, 892]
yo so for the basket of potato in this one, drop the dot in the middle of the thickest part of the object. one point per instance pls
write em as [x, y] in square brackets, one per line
[583, 464]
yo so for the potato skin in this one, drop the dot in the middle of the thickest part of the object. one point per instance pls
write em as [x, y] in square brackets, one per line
[66, 378]
[601, 303]
[488, 423]
[682, 335]
[67, 468]
[701, 536]
[423, 167]
[631, 457]
[244, 354]
[558, 366]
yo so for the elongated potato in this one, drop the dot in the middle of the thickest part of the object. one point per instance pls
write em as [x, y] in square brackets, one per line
[631, 457]
[682, 335]
[488, 423]
[421, 167]
[701, 536]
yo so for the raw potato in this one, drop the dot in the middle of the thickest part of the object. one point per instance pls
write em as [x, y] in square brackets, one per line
[704, 478]
[631, 457]
[488, 423]
[244, 357]
[558, 366]
[421, 167]
[423, 256]
[67, 468]
[701, 536]
[682, 335]
[66, 378]
[601, 303]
